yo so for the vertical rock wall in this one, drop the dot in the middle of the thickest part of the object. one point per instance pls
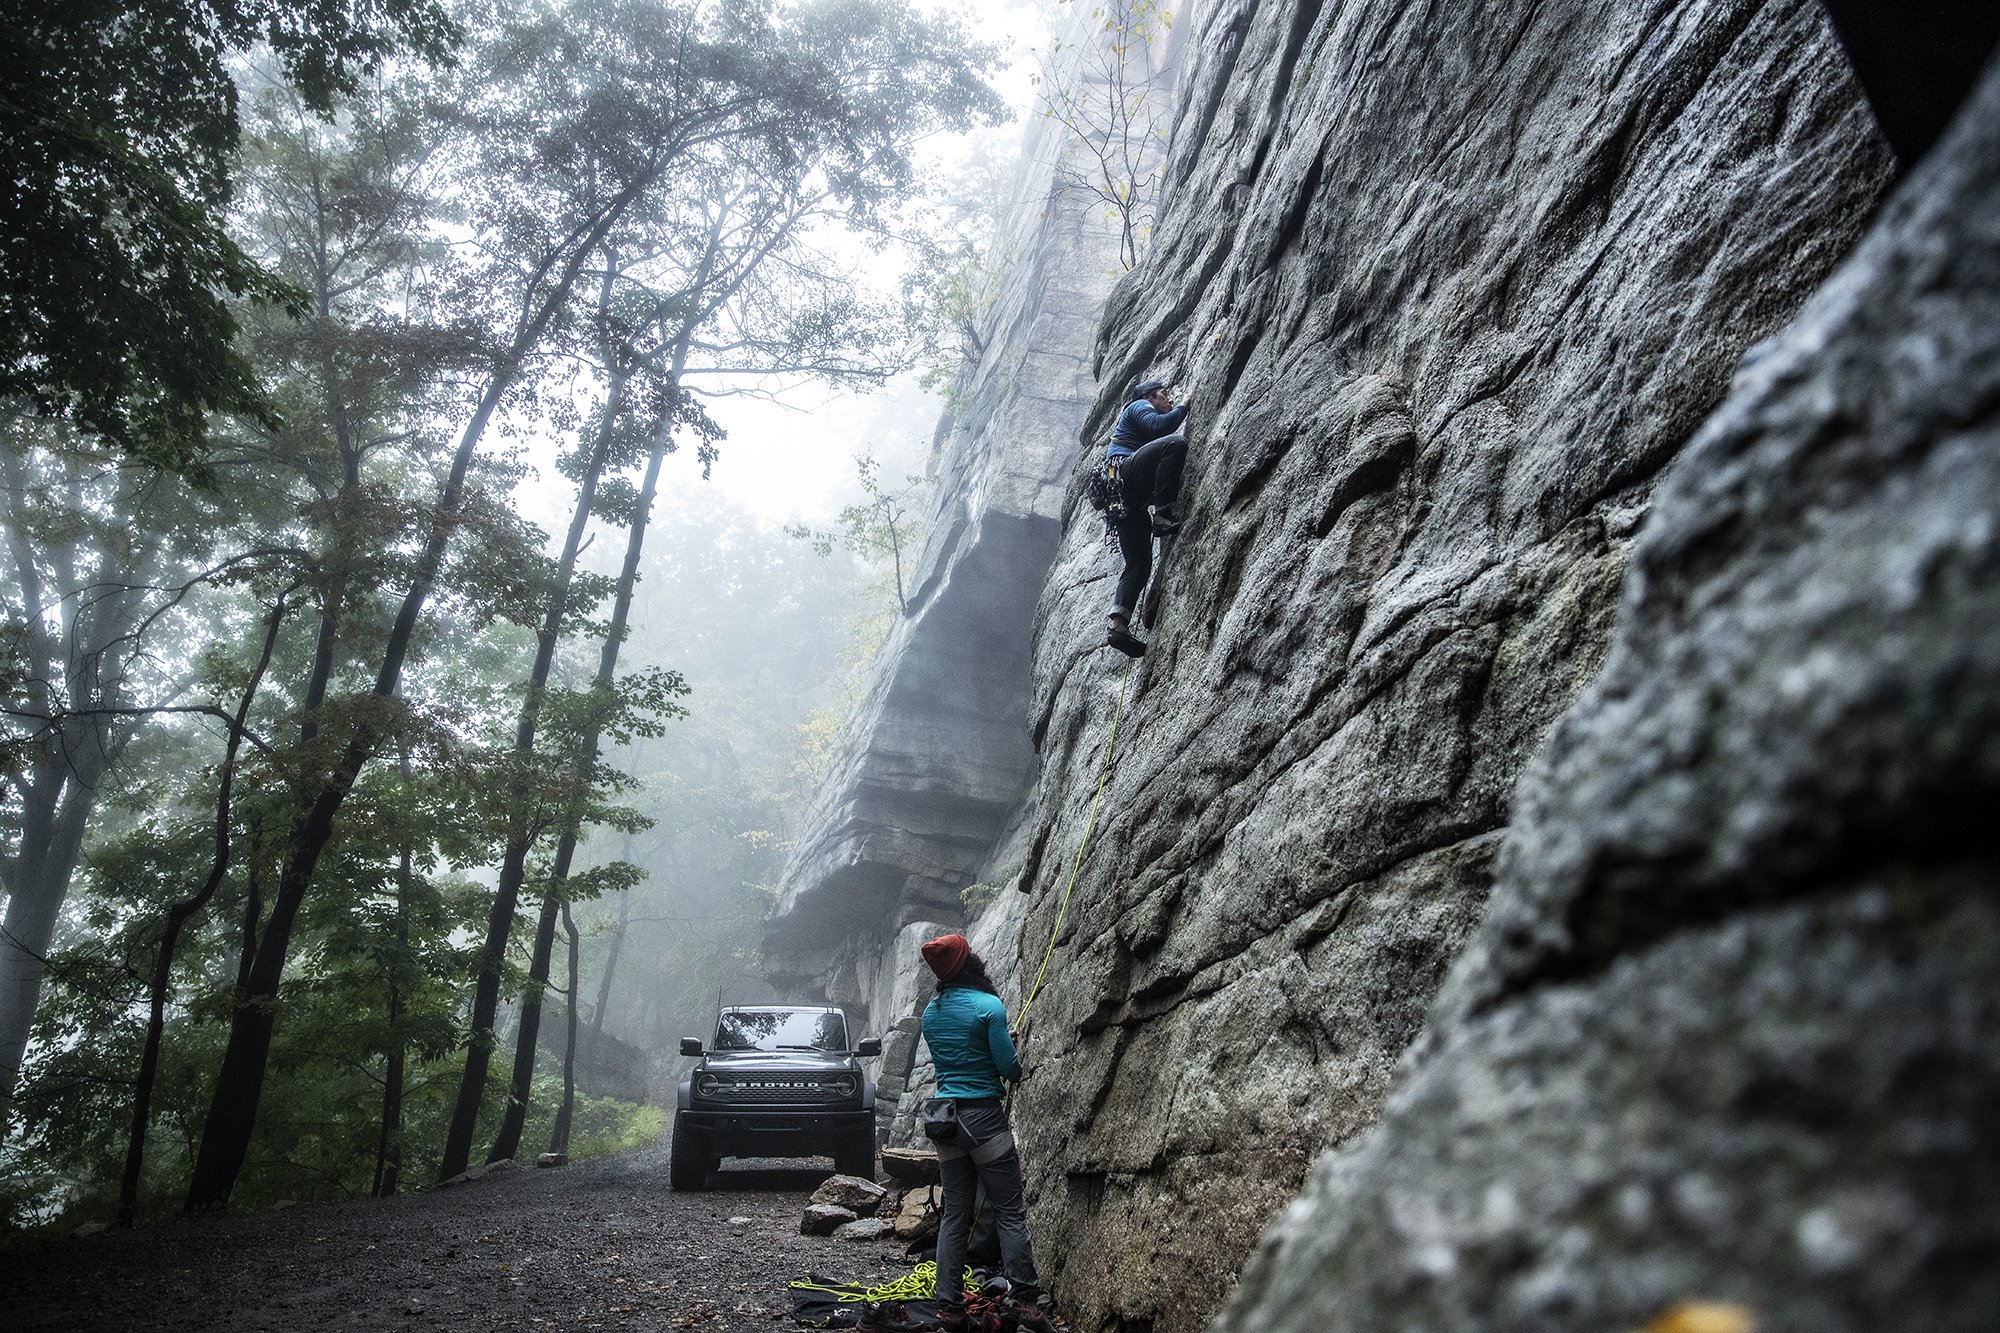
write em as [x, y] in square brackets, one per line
[1449, 287]
[1731, 1029]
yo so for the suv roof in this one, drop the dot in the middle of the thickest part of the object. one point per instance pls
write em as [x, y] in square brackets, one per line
[791, 1008]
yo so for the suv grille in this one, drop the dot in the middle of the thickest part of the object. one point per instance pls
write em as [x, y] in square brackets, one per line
[765, 1091]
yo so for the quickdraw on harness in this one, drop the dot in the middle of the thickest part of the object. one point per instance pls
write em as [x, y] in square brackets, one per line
[1107, 496]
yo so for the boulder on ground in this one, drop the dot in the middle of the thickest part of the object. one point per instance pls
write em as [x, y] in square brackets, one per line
[823, 1219]
[864, 1196]
[912, 1166]
[917, 1218]
[867, 1228]
[553, 1159]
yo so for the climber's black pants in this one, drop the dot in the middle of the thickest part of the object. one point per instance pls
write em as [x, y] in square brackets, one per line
[1149, 476]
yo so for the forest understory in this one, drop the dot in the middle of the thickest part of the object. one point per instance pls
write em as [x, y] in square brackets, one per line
[596, 1245]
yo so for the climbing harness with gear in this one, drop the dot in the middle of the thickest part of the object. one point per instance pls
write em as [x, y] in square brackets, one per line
[1106, 496]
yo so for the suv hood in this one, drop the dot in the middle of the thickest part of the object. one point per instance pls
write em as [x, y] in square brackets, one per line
[778, 1062]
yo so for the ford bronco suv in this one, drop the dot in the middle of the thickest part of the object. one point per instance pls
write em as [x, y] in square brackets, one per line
[780, 1081]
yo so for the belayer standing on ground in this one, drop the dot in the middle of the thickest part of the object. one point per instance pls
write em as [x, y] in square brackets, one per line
[1149, 451]
[965, 1026]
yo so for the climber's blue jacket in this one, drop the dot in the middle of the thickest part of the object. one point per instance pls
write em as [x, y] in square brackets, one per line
[966, 1030]
[1139, 424]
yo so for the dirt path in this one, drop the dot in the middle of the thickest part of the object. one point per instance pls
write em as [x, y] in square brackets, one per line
[599, 1245]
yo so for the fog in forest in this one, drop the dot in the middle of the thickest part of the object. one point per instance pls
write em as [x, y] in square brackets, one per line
[456, 474]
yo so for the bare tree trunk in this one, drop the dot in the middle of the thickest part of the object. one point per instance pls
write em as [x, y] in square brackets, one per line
[389, 1146]
[57, 807]
[559, 1132]
[177, 918]
[253, 911]
[522, 830]
[611, 958]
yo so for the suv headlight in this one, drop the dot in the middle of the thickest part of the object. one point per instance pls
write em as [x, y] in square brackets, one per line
[708, 1085]
[847, 1085]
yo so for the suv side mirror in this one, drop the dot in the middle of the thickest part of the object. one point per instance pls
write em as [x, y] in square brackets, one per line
[868, 1046]
[691, 1046]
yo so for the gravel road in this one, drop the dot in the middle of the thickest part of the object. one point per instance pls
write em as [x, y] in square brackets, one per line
[596, 1245]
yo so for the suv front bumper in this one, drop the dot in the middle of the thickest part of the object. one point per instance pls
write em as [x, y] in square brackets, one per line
[774, 1132]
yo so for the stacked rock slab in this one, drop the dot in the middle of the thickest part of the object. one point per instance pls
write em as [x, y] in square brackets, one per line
[1731, 1028]
[934, 771]
[1450, 287]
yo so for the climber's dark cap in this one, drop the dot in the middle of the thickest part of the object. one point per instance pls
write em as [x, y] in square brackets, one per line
[1147, 388]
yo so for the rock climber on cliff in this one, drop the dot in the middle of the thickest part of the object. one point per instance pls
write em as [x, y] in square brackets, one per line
[1147, 452]
[965, 1026]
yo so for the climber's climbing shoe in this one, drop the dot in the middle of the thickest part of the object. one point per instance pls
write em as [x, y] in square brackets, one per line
[1032, 1310]
[1166, 522]
[1125, 641]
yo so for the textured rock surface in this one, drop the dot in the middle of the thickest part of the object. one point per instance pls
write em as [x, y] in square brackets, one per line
[855, 1193]
[868, 1228]
[1731, 1027]
[918, 1215]
[1450, 287]
[823, 1219]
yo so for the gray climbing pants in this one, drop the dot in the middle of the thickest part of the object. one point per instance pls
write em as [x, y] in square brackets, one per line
[962, 1172]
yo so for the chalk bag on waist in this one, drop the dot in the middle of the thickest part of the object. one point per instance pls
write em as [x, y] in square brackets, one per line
[952, 1139]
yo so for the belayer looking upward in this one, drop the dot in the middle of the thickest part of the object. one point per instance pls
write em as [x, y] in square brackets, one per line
[1148, 452]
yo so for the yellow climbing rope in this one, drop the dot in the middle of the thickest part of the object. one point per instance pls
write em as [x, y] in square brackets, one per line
[919, 1284]
[1062, 910]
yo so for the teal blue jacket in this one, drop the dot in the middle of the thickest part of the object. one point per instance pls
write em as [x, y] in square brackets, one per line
[966, 1030]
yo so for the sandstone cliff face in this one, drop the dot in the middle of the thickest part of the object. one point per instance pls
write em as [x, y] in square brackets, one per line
[1731, 1027]
[1450, 288]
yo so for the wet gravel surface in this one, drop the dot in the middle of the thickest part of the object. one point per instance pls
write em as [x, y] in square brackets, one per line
[596, 1245]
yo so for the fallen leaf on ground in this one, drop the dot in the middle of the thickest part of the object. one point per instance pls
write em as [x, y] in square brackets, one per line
[1704, 1317]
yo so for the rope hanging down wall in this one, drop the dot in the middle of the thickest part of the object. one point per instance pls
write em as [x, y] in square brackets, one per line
[1076, 864]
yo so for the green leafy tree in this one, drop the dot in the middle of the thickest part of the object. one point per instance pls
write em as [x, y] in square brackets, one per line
[717, 278]
[117, 271]
[99, 565]
[883, 527]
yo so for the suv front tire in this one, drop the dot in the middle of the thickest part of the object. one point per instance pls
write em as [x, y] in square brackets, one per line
[688, 1161]
[856, 1157]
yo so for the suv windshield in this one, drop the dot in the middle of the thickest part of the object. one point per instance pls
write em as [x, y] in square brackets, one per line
[780, 1030]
